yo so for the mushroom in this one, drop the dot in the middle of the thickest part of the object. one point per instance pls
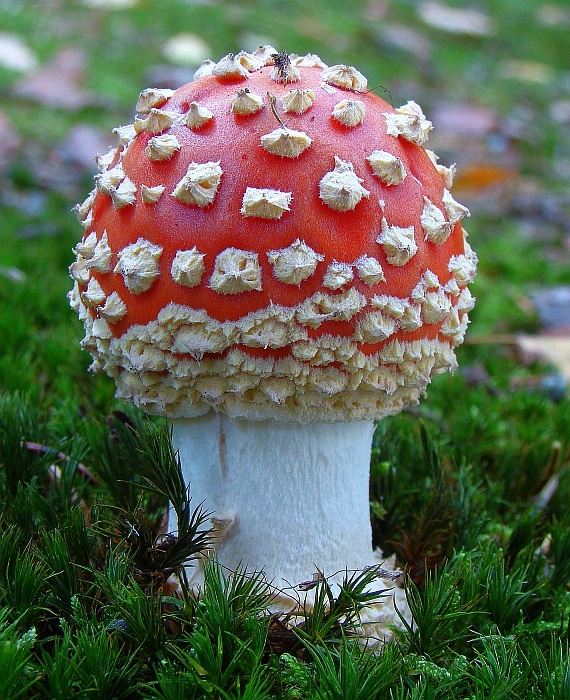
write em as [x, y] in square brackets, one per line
[274, 279]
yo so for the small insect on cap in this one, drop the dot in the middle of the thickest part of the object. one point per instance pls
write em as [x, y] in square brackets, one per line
[272, 240]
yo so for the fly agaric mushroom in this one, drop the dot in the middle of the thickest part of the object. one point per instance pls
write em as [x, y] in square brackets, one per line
[273, 261]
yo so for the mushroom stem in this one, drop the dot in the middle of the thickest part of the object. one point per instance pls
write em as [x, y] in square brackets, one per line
[287, 498]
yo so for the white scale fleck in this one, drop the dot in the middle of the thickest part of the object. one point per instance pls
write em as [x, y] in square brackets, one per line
[200, 336]
[151, 195]
[197, 116]
[329, 89]
[369, 270]
[83, 210]
[162, 147]
[265, 203]
[236, 271]
[94, 295]
[447, 173]
[265, 54]
[407, 314]
[156, 122]
[126, 134]
[321, 307]
[345, 77]
[388, 167]
[338, 275]
[101, 330]
[152, 97]
[436, 228]
[230, 66]
[393, 306]
[435, 306]
[298, 101]
[110, 179]
[452, 288]
[429, 280]
[466, 301]
[188, 267]
[104, 161]
[205, 69]
[78, 271]
[139, 265]
[113, 309]
[269, 328]
[278, 389]
[349, 112]
[124, 194]
[294, 264]
[310, 60]
[398, 243]
[454, 327]
[250, 61]
[86, 247]
[200, 184]
[455, 211]
[374, 327]
[328, 349]
[409, 122]
[245, 103]
[341, 188]
[328, 380]
[286, 142]
[285, 74]
[100, 260]
[464, 267]
[412, 318]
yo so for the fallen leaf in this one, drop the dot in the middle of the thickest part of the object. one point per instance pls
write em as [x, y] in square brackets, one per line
[110, 4]
[84, 140]
[12, 273]
[482, 176]
[554, 349]
[376, 10]
[464, 119]
[31, 203]
[554, 385]
[186, 49]
[168, 76]
[58, 83]
[551, 15]
[526, 71]
[405, 38]
[455, 20]
[553, 307]
[9, 142]
[14, 54]
[560, 111]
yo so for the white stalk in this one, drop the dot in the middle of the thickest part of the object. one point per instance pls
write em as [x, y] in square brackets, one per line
[288, 499]
[293, 497]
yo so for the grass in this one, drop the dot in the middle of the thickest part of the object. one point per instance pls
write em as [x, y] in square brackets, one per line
[470, 490]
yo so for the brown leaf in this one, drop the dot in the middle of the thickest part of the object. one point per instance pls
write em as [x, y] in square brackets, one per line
[464, 119]
[83, 140]
[14, 54]
[455, 20]
[405, 38]
[526, 71]
[552, 305]
[9, 141]
[554, 349]
[58, 83]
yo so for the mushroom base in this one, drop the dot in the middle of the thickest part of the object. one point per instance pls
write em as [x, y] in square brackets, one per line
[287, 499]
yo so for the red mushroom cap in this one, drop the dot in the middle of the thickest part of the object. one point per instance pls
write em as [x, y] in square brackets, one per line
[272, 240]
